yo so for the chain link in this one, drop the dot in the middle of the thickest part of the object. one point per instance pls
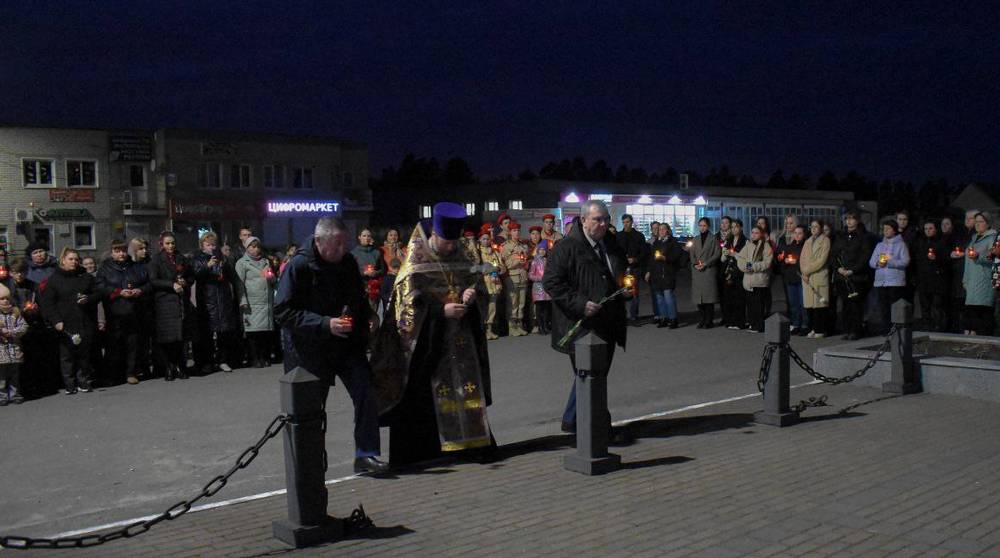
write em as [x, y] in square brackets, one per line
[804, 404]
[180, 508]
[864, 370]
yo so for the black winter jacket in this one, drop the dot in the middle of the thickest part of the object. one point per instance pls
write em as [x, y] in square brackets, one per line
[852, 250]
[574, 275]
[216, 292]
[59, 302]
[171, 309]
[112, 279]
[663, 269]
[931, 275]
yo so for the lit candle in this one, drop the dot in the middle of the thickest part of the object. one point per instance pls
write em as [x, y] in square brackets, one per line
[3, 272]
[690, 244]
[790, 259]
[957, 250]
[370, 268]
[883, 259]
[972, 253]
[931, 253]
[30, 306]
[658, 255]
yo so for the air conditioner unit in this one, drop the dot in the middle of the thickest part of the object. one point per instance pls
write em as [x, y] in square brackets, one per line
[24, 214]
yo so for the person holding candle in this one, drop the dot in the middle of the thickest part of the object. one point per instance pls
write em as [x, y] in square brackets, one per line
[12, 330]
[931, 268]
[816, 279]
[704, 255]
[256, 301]
[491, 284]
[583, 269]
[322, 311]
[667, 260]
[980, 296]
[722, 237]
[216, 292]
[755, 259]
[889, 260]
[171, 276]
[122, 285]
[69, 303]
[955, 234]
[734, 297]
[790, 255]
[393, 254]
[541, 299]
[515, 283]
[373, 269]
[852, 280]
[633, 243]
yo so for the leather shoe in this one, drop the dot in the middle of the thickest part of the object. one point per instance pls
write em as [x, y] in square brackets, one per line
[370, 465]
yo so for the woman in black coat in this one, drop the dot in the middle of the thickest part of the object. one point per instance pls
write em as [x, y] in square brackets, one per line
[69, 303]
[171, 277]
[734, 306]
[121, 285]
[666, 260]
[216, 291]
[930, 257]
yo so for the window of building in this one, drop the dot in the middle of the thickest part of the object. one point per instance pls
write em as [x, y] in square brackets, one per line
[4, 247]
[492, 206]
[137, 176]
[83, 236]
[38, 173]
[274, 176]
[425, 212]
[516, 204]
[239, 176]
[81, 174]
[213, 175]
[470, 209]
[302, 177]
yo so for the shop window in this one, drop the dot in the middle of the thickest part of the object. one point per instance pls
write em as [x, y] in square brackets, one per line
[274, 176]
[137, 176]
[83, 236]
[81, 174]
[239, 176]
[470, 209]
[302, 178]
[38, 173]
[492, 206]
[213, 175]
[516, 204]
[425, 212]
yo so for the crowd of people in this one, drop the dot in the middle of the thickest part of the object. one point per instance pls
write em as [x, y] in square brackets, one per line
[73, 323]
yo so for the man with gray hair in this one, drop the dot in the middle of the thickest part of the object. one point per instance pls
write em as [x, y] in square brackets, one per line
[323, 313]
[581, 270]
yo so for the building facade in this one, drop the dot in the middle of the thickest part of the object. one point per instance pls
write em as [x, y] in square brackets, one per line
[82, 188]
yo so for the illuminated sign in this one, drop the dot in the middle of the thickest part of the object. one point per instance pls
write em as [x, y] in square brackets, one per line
[303, 207]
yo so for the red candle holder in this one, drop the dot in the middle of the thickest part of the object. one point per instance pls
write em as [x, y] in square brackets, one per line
[4, 273]
[957, 250]
[931, 253]
[369, 268]
[790, 259]
[972, 254]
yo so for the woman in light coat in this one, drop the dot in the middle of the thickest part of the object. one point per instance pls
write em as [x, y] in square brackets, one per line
[978, 278]
[889, 260]
[704, 253]
[755, 259]
[257, 301]
[816, 279]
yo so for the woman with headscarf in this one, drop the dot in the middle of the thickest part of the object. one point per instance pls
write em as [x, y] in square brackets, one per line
[171, 277]
[256, 301]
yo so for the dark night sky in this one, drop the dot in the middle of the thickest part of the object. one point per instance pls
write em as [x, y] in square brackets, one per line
[906, 92]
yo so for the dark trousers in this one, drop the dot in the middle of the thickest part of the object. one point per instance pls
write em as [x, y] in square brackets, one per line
[569, 414]
[259, 347]
[887, 296]
[74, 362]
[757, 307]
[979, 319]
[355, 373]
[854, 312]
[734, 305]
[933, 311]
[834, 311]
[123, 345]
[819, 318]
[10, 382]
[707, 312]
[956, 311]
[169, 355]
[543, 316]
[215, 348]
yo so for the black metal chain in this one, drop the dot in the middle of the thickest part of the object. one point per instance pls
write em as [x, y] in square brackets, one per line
[864, 370]
[175, 511]
[765, 364]
[804, 404]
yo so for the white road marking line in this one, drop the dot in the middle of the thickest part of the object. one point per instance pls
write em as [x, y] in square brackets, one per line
[263, 495]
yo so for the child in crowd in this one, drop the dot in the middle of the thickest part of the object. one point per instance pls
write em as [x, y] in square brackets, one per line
[12, 328]
[542, 300]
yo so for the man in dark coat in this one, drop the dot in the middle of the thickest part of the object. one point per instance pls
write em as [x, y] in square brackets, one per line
[633, 244]
[931, 268]
[121, 285]
[581, 270]
[171, 276]
[322, 309]
[853, 278]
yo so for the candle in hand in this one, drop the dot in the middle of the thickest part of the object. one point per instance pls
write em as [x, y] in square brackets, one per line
[883, 259]
[689, 244]
[931, 254]
[972, 253]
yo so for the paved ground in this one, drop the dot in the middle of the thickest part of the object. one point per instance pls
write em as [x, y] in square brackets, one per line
[911, 476]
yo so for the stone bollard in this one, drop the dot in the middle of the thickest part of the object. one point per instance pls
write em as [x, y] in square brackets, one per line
[303, 399]
[903, 379]
[592, 426]
[776, 411]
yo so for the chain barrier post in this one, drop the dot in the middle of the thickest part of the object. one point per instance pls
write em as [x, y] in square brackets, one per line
[903, 379]
[592, 419]
[303, 400]
[777, 384]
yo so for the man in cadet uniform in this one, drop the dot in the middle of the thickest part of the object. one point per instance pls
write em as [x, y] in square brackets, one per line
[515, 258]
[491, 284]
[549, 231]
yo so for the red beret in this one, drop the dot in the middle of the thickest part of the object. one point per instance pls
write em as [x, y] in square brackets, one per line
[515, 225]
[534, 228]
[502, 217]
[486, 229]
[548, 216]
[469, 233]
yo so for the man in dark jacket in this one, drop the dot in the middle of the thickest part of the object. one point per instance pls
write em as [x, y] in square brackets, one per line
[121, 285]
[581, 270]
[633, 244]
[931, 266]
[320, 298]
[853, 279]
[40, 264]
